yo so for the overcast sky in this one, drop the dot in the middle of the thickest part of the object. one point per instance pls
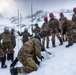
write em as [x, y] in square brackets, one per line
[10, 6]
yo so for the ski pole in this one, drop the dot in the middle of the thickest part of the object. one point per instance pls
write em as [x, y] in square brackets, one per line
[48, 52]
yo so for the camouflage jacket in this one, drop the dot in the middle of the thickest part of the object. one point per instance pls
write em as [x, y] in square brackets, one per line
[36, 30]
[45, 26]
[25, 36]
[32, 47]
[14, 40]
[53, 24]
[74, 18]
[69, 25]
[6, 37]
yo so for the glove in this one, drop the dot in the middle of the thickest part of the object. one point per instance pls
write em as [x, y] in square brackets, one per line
[42, 49]
[42, 58]
[38, 63]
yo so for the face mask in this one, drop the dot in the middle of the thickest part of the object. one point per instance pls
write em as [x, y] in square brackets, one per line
[6, 30]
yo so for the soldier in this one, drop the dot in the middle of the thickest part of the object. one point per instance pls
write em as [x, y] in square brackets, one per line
[44, 30]
[25, 35]
[30, 49]
[74, 15]
[2, 57]
[61, 27]
[69, 27]
[7, 46]
[61, 16]
[36, 29]
[74, 20]
[54, 26]
[14, 38]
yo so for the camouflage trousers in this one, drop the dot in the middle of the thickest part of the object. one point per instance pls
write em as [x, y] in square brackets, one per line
[74, 37]
[47, 41]
[53, 38]
[28, 63]
[70, 36]
[7, 47]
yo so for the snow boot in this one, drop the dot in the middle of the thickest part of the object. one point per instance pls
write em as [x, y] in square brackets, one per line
[4, 66]
[70, 44]
[13, 71]
[3, 63]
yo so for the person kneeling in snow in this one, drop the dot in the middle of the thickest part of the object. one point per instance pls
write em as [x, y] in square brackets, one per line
[30, 49]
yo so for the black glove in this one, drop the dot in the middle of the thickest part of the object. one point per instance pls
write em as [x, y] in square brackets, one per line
[38, 63]
[42, 49]
[42, 58]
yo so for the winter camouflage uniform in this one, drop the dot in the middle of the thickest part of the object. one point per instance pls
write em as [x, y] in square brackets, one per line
[62, 28]
[14, 38]
[31, 48]
[36, 30]
[44, 30]
[25, 35]
[74, 18]
[69, 27]
[13, 42]
[54, 26]
[7, 46]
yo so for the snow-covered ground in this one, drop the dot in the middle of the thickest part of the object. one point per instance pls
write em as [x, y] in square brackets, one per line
[61, 62]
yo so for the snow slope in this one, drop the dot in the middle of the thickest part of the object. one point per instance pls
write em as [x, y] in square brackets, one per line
[61, 62]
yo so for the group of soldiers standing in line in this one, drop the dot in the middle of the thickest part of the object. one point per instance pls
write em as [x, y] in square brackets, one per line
[64, 29]
[31, 50]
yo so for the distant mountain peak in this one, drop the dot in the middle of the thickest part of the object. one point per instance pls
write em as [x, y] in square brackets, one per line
[1, 16]
[63, 10]
[38, 16]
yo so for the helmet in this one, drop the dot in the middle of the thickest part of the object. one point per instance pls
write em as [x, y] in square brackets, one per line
[38, 36]
[51, 15]
[45, 18]
[61, 14]
[6, 28]
[74, 9]
[25, 29]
